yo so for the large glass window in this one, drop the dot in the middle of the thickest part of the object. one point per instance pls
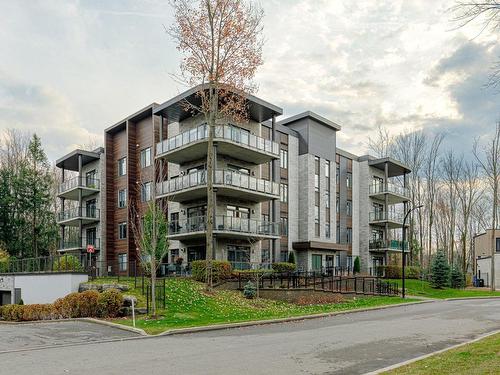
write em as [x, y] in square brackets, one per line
[349, 235]
[122, 262]
[349, 180]
[284, 226]
[349, 208]
[146, 191]
[498, 245]
[122, 198]
[122, 231]
[122, 167]
[316, 196]
[283, 159]
[317, 262]
[284, 193]
[239, 256]
[146, 157]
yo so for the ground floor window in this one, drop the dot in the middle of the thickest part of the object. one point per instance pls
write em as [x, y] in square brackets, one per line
[265, 256]
[317, 262]
[284, 255]
[349, 261]
[196, 253]
[329, 261]
[122, 262]
[239, 256]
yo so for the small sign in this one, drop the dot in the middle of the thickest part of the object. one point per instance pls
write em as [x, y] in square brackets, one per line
[90, 249]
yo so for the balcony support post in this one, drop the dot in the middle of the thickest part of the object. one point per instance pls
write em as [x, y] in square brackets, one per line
[80, 197]
[386, 203]
[62, 210]
[275, 174]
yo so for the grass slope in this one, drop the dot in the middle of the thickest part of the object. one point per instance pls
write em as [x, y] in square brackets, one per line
[481, 357]
[188, 305]
[424, 289]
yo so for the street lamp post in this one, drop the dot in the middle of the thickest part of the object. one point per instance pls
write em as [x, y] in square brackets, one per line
[403, 254]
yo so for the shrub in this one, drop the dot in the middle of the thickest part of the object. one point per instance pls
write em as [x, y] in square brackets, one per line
[395, 272]
[38, 312]
[109, 303]
[220, 270]
[413, 272]
[88, 303]
[67, 263]
[440, 270]
[68, 306]
[357, 265]
[12, 312]
[291, 257]
[249, 290]
[457, 279]
[282, 267]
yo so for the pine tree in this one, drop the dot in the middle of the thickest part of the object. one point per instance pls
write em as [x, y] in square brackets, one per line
[457, 277]
[440, 270]
[291, 257]
[357, 265]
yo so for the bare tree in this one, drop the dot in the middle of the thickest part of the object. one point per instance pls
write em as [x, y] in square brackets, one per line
[222, 45]
[382, 144]
[487, 12]
[489, 160]
[431, 177]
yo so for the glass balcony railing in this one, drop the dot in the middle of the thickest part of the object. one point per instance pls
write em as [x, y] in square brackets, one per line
[223, 177]
[389, 245]
[78, 182]
[386, 216]
[391, 188]
[222, 132]
[81, 243]
[225, 224]
[79, 213]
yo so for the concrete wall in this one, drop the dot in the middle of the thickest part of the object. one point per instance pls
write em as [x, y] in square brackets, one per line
[482, 243]
[484, 269]
[47, 287]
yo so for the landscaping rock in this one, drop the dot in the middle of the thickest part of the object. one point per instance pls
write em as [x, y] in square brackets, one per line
[127, 300]
[83, 287]
[121, 287]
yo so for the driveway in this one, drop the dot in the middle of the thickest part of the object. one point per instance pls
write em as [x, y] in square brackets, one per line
[37, 335]
[346, 344]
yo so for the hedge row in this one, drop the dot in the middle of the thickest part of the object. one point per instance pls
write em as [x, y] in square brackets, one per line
[220, 270]
[394, 272]
[90, 303]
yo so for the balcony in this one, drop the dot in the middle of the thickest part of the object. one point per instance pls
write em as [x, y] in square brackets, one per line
[389, 245]
[395, 193]
[228, 183]
[225, 227]
[391, 219]
[231, 140]
[69, 189]
[80, 244]
[72, 217]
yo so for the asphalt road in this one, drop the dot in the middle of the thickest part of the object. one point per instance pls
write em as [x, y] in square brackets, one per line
[346, 344]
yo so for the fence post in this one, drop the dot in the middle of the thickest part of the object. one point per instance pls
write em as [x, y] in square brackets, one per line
[147, 300]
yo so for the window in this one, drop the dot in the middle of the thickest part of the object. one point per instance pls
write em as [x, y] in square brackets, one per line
[122, 167]
[174, 255]
[265, 217]
[146, 157]
[337, 204]
[284, 193]
[122, 198]
[316, 172]
[146, 192]
[327, 199]
[284, 226]
[498, 244]
[337, 174]
[122, 262]
[122, 231]
[283, 159]
[238, 212]
[90, 179]
[338, 233]
[349, 180]
[349, 235]
[316, 196]
[266, 256]
[316, 262]
[327, 230]
[316, 221]
[349, 208]
[327, 168]
[283, 255]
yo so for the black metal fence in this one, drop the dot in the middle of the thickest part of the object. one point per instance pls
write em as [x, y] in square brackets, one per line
[320, 281]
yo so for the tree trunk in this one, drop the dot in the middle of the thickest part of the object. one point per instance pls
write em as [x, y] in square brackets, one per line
[493, 227]
[153, 286]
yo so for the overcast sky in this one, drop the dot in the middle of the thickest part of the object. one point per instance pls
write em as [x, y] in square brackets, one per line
[69, 69]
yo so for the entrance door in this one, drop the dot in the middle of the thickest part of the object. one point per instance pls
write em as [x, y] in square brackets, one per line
[91, 208]
[317, 262]
[5, 298]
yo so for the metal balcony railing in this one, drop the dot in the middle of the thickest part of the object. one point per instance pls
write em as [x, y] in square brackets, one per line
[386, 216]
[82, 243]
[225, 223]
[388, 244]
[78, 182]
[391, 188]
[79, 212]
[223, 177]
[222, 132]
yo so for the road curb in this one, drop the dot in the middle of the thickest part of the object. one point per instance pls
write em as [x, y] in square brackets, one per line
[469, 298]
[115, 325]
[416, 359]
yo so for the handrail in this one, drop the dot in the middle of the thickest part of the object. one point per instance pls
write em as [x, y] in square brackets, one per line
[384, 215]
[78, 182]
[223, 132]
[380, 188]
[224, 177]
[387, 244]
[86, 212]
[225, 223]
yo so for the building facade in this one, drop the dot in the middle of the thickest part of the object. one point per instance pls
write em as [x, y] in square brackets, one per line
[280, 186]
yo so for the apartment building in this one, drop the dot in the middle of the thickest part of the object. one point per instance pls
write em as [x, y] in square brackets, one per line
[279, 186]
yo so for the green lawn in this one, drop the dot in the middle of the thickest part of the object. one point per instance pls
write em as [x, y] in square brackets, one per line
[188, 305]
[424, 289]
[481, 357]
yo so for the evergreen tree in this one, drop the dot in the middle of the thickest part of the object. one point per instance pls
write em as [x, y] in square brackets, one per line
[357, 265]
[457, 279]
[440, 270]
[291, 257]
